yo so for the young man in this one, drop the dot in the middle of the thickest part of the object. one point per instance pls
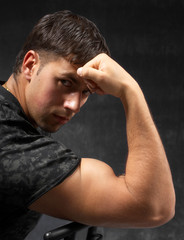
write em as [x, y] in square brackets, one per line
[64, 59]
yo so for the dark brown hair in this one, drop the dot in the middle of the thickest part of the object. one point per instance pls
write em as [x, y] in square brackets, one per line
[64, 34]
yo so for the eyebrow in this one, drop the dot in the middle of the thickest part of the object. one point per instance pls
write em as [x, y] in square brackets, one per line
[70, 76]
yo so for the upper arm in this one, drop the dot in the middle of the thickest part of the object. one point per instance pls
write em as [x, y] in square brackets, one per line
[93, 195]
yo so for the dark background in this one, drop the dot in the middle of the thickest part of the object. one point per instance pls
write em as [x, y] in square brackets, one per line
[146, 37]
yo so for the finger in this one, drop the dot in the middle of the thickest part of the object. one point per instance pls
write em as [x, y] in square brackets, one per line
[96, 89]
[99, 91]
[90, 73]
[90, 83]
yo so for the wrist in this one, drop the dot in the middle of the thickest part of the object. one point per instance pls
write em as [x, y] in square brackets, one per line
[130, 90]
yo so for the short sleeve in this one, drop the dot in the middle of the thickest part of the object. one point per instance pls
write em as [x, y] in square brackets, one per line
[34, 166]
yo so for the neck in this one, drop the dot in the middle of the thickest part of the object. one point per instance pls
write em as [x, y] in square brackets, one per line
[10, 85]
[17, 88]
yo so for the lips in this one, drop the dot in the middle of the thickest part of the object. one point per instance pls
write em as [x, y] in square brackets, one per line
[60, 119]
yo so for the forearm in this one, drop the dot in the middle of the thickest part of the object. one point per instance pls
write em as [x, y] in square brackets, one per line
[148, 176]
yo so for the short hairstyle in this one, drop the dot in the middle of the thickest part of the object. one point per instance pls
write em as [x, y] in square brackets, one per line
[64, 34]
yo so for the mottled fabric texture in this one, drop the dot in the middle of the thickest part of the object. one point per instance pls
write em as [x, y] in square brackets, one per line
[30, 165]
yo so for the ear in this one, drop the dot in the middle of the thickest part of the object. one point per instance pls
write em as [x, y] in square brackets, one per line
[29, 64]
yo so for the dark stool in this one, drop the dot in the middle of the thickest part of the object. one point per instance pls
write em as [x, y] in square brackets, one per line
[68, 232]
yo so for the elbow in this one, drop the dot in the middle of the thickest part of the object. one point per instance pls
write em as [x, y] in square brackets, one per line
[165, 211]
[147, 214]
[160, 214]
[166, 214]
[163, 217]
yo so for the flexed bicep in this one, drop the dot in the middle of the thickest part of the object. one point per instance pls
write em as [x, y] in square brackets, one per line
[94, 195]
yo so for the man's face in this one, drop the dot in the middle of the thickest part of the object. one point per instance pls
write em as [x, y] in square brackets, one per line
[54, 95]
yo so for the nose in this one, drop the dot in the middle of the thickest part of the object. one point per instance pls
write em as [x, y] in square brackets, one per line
[73, 102]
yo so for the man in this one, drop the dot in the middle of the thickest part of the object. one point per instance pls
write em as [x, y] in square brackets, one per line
[63, 61]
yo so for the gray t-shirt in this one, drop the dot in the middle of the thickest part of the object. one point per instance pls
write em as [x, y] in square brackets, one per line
[30, 165]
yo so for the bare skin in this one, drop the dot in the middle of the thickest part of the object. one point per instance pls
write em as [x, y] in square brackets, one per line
[93, 194]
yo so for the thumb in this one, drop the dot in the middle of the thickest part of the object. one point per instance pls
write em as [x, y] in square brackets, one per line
[90, 73]
[79, 71]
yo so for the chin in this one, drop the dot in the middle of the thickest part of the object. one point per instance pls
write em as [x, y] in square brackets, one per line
[50, 128]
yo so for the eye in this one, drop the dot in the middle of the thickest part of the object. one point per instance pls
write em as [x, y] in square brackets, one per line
[66, 83]
[87, 92]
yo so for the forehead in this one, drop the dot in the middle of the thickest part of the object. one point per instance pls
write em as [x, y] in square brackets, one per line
[61, 68]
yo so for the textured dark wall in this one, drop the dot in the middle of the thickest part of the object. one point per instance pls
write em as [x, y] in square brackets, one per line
[146, 37]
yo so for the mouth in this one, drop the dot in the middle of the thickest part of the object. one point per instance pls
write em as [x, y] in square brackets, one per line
[61, 120]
